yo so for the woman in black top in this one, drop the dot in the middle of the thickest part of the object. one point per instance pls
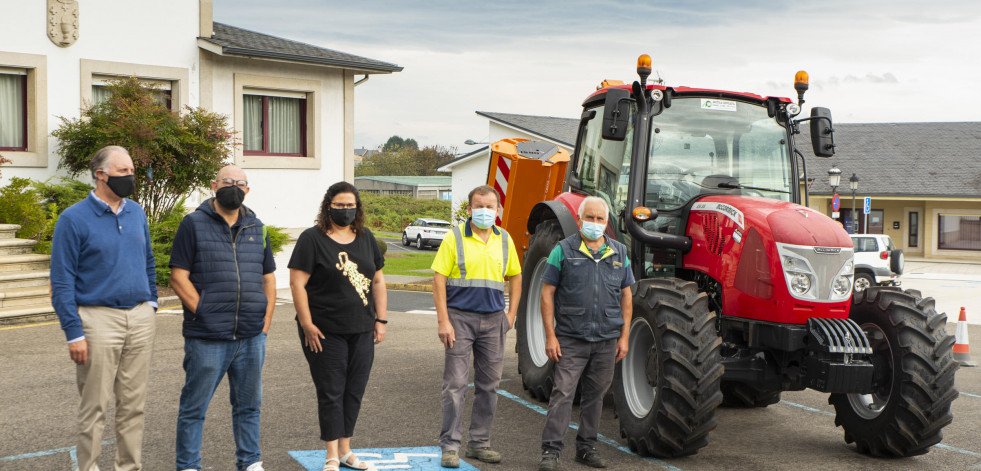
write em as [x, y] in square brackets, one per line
[340, 299]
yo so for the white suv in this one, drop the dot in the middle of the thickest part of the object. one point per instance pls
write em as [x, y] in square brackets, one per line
[426, 232]
[877, 261]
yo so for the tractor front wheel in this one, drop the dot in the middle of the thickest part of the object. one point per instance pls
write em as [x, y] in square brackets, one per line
[913, 383]
[666, 390]
[533, 365]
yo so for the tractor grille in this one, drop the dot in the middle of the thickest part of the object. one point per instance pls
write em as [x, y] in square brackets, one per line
[839, 335]
[713, 233]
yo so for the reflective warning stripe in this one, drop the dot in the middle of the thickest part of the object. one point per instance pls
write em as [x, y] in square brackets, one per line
[501, 180]
[461, 263]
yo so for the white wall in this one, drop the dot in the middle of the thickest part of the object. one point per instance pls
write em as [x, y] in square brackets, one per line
[134, 31]
[289, 197]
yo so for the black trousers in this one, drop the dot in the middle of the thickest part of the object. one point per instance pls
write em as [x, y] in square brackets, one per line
[340, 374]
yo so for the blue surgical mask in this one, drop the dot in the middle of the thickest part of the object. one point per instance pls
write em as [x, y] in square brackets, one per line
[484, 217]
[592, 230]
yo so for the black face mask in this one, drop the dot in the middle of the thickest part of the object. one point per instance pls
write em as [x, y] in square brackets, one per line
[230, 197]
[343, 217]
[122, 186]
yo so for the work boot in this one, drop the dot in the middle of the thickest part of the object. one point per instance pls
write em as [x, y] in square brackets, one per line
[549, 462]
[450, 459]
[484, 454]
[590, 458]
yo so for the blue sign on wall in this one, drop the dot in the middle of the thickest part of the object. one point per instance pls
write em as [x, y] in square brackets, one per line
[424, 458]
[868, 205]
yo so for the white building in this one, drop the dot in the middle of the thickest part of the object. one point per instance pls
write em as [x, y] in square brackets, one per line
[54, 56]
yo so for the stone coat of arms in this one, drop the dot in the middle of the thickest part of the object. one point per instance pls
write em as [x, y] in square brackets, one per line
[62, 22]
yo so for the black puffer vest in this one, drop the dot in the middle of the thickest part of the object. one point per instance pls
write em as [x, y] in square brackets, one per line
[227, 273]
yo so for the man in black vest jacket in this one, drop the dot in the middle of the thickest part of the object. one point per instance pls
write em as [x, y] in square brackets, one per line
[222, 269]
[587, 295]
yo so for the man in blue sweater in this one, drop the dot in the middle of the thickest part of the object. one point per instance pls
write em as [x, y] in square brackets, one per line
[104, 290]
[222, 268]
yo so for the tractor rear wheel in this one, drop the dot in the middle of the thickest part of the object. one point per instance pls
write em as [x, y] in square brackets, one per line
[533, 365]
[666, 390]
[913, 380]
[738, 394]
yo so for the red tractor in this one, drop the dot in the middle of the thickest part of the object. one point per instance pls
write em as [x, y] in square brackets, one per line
[742, 292]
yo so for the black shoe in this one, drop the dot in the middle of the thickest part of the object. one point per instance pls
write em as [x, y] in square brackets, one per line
[549, 462]
[590, 458]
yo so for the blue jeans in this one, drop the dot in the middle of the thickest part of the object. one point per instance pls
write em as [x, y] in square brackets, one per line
[205, 364]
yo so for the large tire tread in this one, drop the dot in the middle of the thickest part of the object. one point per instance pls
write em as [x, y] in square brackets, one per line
[687, 393]
[537, 380]
[923, 385]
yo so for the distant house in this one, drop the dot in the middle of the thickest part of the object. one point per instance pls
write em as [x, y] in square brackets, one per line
[924, 179]
[427, 188]
[291, 103]
[360, 153]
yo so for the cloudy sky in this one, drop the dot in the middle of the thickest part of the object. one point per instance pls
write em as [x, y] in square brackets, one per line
[869, 60]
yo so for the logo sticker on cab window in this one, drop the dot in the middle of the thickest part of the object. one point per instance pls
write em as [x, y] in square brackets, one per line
[718, 105]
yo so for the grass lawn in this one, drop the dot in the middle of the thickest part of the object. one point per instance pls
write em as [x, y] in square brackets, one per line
[390, 235]
[406, 263]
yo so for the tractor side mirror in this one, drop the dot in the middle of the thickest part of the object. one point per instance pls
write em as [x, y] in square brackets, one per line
[822, 134]
[616, 113]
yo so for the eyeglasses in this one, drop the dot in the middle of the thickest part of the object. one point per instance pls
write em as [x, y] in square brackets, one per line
[343, 206]
[239, 183]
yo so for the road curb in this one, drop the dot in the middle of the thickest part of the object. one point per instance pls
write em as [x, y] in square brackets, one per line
[410, 287]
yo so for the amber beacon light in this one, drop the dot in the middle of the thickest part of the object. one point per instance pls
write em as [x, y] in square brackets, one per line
[800, 84]
[644, 65]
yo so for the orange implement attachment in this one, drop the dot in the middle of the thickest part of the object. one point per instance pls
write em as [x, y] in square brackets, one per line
[524, 173]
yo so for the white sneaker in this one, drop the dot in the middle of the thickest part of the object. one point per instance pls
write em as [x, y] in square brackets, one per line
[257, 466]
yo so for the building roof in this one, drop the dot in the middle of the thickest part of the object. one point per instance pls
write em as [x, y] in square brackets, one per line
[242, 42]
[459, 160]
[561, 130]
[901, 159]
[411, 180]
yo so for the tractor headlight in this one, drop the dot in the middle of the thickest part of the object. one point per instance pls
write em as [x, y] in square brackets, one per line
[842, 286]
[841, 289]
[799, 274]
[800, 283]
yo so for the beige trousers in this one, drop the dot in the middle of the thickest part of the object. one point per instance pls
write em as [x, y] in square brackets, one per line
[119, 345]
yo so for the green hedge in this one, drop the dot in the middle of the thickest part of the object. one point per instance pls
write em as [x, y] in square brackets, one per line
[22, 198]
[393, 213]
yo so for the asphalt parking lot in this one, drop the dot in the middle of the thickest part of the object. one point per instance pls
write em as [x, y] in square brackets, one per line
[400, 419]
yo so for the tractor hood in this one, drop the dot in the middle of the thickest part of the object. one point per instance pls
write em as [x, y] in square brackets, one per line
[745, 243]
[787, 223]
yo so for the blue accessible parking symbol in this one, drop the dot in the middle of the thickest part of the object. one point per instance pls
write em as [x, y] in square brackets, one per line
[423, 458]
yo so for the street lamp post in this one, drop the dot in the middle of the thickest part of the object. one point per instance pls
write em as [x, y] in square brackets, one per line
[853, 184]
[834, 178]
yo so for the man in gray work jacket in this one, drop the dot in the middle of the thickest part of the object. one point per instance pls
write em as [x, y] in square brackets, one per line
[587, 294]
[222, 269]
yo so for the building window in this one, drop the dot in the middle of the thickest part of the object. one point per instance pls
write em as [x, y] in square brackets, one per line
[914, 229]
[274, 125]
[13, 109]
[162, 90]
[959, 232]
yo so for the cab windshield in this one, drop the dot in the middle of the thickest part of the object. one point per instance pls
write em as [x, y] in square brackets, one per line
[724, 139]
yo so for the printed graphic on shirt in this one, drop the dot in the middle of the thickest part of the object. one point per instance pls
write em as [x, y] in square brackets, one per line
[350, 270]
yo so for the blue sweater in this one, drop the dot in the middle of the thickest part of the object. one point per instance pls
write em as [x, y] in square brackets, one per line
[99, 258]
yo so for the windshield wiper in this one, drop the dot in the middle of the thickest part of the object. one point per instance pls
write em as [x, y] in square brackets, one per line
[737, 186]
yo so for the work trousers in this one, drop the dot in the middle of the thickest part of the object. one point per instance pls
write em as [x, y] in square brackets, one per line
[484, 335]
[120, 342]
[593, 362]
[340, 375]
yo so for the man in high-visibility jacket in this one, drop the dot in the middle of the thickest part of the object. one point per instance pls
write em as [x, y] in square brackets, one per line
[470, 268]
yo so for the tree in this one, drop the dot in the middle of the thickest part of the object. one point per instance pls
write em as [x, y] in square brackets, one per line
[174, 153]
[396, 143]
[406, 161]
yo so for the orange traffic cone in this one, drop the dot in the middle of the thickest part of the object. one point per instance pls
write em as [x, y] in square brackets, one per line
[962, 347]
